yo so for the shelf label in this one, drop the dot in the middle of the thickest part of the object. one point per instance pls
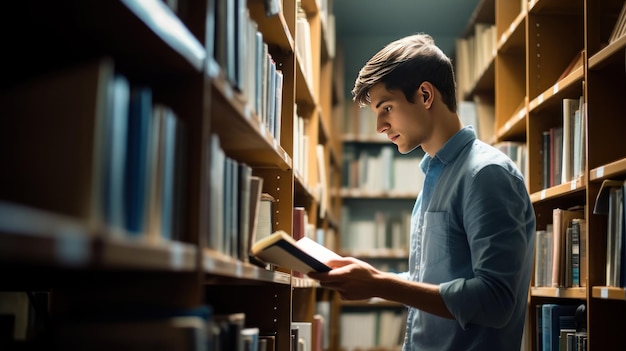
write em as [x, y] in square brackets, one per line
[600, 172]
[542, 195]
[572, 185]
[247, 112]
[72, 246]
[209, 264]
[238, 269]
[540, 99]
[604, 293]
[176, 256]
[555, 90]
[213, 68]
[228, 91]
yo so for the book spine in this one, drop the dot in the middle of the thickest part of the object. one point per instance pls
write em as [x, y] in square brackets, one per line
[575, 253]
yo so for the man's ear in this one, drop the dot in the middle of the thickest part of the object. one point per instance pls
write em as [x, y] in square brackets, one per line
[426, 92]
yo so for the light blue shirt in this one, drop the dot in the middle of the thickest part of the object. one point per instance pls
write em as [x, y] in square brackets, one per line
[472, 232]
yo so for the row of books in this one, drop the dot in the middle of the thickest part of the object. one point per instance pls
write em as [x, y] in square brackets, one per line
[301, 146]
[480, 114]
[380, 329]
[199, 328]
[561, 327]
[360, 122]
[384, 234]
[473, 55]
[517, 152]
[563, 149]
[303, 44]
[116, 160]
[381, 169]
[242, 53]
[235, 201]
[612, 203]
[242, 214]
[561, 250]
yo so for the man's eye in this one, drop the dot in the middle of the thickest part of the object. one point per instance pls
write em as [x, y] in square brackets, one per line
[387, 108]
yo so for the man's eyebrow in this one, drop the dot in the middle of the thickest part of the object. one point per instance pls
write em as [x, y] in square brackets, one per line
[380, 103]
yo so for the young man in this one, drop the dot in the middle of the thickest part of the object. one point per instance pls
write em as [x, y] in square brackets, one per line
[473, 225]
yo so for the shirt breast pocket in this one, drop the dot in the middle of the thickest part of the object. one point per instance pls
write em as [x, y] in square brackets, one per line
[436, 238]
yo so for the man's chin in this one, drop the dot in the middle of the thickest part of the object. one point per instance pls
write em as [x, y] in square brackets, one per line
[405, 149]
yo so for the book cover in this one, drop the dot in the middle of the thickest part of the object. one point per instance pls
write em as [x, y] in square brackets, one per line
[304, 255]
[609, 201]
[541, 255]
[215, 237]
[249, 339]
[137, 160]
[114, 151]
[579, 268]
[580, 226]
[256, 187]
[561, 219]
[179, 226]
[278, 104]
[265, 219]
[570, 106]
[267, 341]
[243, 241]
[545, 159]
[552, 322]
[168, 181]
[229, 328]
[305, 333]
[155, 174]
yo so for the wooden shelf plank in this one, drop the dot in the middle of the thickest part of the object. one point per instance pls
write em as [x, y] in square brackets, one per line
[217, 266]
[608, 293]
[617, 168]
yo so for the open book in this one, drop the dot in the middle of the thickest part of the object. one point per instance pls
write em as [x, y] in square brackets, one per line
[304, 255]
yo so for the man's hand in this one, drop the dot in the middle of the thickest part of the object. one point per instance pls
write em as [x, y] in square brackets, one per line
[352, 278]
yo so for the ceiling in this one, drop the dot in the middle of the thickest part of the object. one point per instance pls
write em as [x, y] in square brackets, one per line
[362, 27]
[402, 17]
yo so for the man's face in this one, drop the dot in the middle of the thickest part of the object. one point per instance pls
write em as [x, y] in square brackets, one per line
[406, 124]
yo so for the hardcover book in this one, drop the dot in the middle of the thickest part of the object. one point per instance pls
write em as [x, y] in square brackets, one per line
[303, 255]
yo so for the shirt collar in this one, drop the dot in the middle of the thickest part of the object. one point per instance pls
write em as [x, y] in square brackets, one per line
[452, 148]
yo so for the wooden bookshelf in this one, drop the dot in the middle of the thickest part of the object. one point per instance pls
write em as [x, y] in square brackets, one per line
[368, 203]
[537, 44]
[62, 181]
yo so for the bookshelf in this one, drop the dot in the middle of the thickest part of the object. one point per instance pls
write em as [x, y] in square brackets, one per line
[548, 51]
[378, 188]
[65, 198]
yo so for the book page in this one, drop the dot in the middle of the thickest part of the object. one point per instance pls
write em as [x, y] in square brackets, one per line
[316, 250]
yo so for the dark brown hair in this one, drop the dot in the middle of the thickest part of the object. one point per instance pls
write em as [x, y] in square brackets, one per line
[405, 64]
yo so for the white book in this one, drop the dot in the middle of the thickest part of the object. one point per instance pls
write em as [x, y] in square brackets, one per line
[567, 161]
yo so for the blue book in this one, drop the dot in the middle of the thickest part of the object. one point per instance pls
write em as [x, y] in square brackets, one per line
[271, 97]
[115, 134]
[227, 203]
[258, 75]
[552, 321]
[167, 191]
[137, 160]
